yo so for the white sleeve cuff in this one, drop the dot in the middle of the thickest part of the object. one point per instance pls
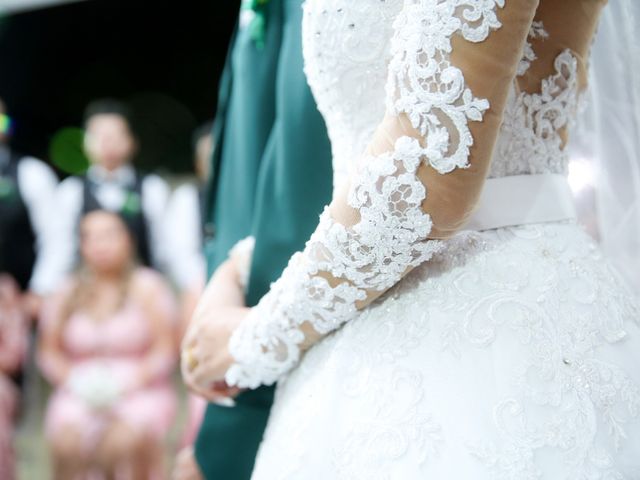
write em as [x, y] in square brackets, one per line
[242, 254]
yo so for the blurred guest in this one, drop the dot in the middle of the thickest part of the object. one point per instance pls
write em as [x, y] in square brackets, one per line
[112, 183]
[185, 234]
[27, 189]
[13, 345]
[186, 229]
[107, 347]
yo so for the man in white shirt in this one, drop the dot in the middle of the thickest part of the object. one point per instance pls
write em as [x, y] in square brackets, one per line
[27, 191]
[185, 226]
[112, 183]
[187, 234]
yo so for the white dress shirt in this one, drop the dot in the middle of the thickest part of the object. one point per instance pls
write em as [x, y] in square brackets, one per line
[184, 237]
[111, 192]
[37, 183]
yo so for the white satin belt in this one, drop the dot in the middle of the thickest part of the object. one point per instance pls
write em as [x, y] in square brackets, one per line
[521, 200]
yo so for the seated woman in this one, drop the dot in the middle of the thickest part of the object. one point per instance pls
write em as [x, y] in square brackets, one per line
[107, 347]
[13, 345]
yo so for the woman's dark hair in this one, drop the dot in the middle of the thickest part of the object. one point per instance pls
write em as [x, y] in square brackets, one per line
[109, 106]
[83, 291]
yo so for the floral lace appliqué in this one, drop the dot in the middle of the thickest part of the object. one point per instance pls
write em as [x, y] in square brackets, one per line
[530, 140]
[529, 55]
[391, 235]
[425, 85]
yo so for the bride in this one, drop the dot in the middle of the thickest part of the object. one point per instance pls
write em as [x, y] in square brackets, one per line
[448, 318]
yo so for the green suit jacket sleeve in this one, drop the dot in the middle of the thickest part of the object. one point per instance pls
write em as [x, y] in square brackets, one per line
[272, 176]
[228, 439]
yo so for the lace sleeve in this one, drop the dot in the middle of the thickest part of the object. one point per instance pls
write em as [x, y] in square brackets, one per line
[452, 64]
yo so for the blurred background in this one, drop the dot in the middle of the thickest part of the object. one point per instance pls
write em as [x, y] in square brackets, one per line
[161, 61]
[164, 57]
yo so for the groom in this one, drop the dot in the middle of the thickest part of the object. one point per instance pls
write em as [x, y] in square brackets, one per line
[271, 151]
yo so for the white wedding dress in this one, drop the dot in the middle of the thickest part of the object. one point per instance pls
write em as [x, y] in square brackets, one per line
[513, 353]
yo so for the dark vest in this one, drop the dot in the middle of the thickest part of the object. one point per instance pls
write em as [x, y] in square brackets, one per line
[131, 212]
[17, 238]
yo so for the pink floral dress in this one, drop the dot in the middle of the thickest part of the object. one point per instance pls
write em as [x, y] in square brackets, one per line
[106, 356]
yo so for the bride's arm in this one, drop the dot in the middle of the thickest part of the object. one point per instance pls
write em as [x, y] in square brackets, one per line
[453, 62]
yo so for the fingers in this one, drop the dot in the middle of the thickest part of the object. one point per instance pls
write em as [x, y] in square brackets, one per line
[188, 358]
[191, 335]
[196, 389]
[214, 391]
[205, 356]
[209, 368]
[223, 394]
[217, 396]
[230, 392]
[201, 375]
[201, 363]
[198, 378]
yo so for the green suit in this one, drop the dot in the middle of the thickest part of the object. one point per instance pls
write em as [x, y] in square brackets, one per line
[271, 178]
